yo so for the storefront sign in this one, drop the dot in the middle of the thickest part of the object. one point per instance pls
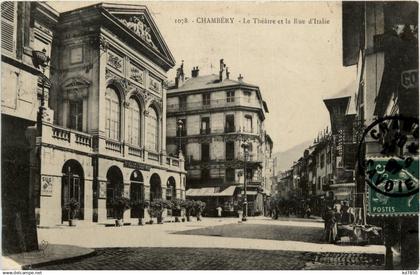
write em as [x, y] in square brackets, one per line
[46, 186]
[136, 165]
[410, 79]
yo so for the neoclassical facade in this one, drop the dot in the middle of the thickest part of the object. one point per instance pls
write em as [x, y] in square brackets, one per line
[103, 132]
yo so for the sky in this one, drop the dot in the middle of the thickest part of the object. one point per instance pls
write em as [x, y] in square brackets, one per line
[295, 65]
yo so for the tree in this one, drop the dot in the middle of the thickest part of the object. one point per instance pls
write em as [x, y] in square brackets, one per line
[139, 205]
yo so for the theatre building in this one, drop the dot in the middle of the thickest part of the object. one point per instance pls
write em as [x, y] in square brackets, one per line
[210, 118]
[103, 128]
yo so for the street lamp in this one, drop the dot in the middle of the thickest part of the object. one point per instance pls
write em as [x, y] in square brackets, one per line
[180, 124]
[245, 146]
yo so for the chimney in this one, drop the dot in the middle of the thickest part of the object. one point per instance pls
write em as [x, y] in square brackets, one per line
[179, 79]
[240, 77]
[195, 71]
[222, 66]
[227, 73]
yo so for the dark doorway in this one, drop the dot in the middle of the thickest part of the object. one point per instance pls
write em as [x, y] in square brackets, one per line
[114, 189]
[136, 190]
[155, 187]
[72, 187]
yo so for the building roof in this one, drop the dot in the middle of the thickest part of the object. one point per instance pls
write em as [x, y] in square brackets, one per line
[207, 82]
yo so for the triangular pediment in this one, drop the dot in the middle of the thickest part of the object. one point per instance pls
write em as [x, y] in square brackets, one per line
[137, 20]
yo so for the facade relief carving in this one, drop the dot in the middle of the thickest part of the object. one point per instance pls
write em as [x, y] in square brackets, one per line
[136, 74]
[138, 25]
[115, 61]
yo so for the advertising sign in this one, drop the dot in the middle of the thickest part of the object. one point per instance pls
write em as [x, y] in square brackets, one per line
[46, 186]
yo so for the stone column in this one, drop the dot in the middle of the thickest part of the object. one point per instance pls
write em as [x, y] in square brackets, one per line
[88, 200]
[102, 200]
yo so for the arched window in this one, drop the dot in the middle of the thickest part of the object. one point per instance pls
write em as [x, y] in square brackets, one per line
[113, 114]
[152, 130]
[133, 122]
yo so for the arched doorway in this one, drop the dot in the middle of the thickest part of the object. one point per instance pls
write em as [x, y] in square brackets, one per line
[72, 187]
[155, 187]
[114, 189]
[170, 189]
[136, 190]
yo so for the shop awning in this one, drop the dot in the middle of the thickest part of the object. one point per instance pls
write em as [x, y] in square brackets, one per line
[250, 193]
[211, 192]
[342, 195]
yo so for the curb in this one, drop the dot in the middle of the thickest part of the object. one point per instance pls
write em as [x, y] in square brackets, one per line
[59, 261]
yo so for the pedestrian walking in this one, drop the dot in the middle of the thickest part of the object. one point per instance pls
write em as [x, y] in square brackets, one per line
[219, 211]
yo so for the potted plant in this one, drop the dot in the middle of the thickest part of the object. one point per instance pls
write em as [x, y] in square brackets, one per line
[188, 205]
[138, 206]
[72, 207]
[198, 209]
[120, 205]
[176, 208]
[157, 207]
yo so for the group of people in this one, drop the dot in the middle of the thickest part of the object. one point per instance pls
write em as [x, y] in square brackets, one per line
[339, 214]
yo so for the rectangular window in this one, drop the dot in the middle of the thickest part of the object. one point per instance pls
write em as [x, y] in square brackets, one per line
[230, 96]
[206, 99]
[8, 27]
[247, 96]
[230, 150]
[205, 152]
[248, 124]
[322, 160]
[183, 102]
[76, 115]
[205, 125]
[230, 174]
[230, 124]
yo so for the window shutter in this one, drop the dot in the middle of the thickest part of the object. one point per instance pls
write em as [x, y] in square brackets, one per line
[8, 27]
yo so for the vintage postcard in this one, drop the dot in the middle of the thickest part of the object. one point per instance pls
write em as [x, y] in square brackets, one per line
[222, 135]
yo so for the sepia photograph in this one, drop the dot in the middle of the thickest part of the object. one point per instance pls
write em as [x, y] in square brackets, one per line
[209, 135]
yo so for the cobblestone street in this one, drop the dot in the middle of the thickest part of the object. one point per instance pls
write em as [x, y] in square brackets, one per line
[217, 259]
[220, 244]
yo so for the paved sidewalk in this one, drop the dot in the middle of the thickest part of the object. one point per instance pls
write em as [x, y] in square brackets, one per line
[51, 253]
[159, 235]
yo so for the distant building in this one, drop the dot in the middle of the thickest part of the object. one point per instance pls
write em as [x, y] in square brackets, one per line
[218, 114]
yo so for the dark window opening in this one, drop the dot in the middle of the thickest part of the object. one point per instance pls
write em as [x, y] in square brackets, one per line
[230, 124]
[205, 152]
[230, 174]
[206, 99]
[205, 125]
[230, 96]
[230, 150]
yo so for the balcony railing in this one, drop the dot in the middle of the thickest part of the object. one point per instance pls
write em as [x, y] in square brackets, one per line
[153, 156]
[215, 103]
[205, 131]
[135, 151]
[112, 145]
[60, 133]
[83, 139]
[83, 142]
